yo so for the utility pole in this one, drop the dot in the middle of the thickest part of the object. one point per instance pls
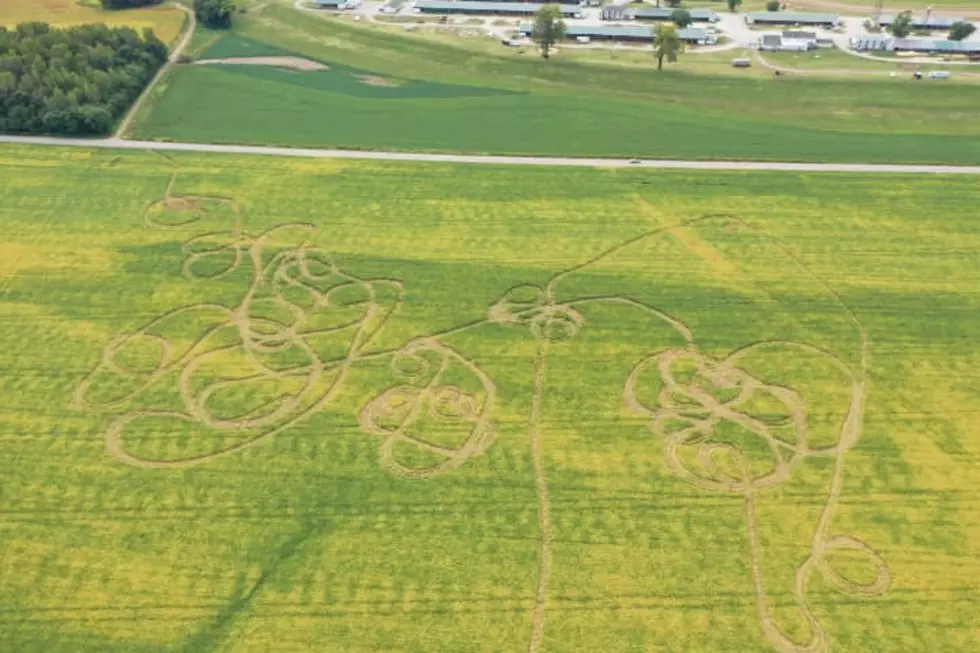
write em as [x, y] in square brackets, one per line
[879, 5]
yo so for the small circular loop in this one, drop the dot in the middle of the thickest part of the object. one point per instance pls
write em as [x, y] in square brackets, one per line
[408, 364]
[449, 402]
[878, 586]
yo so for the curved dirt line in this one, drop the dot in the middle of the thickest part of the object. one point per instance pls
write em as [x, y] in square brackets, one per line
[701, 411]
[292, 63]
[295, 268]
[544, 506]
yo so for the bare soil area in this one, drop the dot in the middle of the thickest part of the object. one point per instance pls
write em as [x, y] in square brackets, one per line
[292, 63]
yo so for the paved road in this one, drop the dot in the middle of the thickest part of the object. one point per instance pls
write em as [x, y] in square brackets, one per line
[116, 143]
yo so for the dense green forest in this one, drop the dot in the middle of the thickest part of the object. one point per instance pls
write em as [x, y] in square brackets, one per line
[72, 81]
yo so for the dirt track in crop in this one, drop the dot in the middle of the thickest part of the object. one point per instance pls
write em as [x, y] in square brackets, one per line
[291, 63]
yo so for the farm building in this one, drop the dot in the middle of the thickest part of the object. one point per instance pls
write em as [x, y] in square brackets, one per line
[926, 46]
[336, 4]
[621, 12]
[491, 8]
[931, 23]
[776, 43]
[617, 12]
[798, 34]
[792, 18]
[555, 2]
[933, 46]
[789, 41]
[635, 33]
[871, 43]
[663, 13]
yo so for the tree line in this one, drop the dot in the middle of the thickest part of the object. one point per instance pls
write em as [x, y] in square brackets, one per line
[549, 29]
[73, 81]
[128, 4]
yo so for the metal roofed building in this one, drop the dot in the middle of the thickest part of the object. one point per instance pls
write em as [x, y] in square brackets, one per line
[621, 12]
[779, 43]
[872, 43]
[663, 13]
[499, 8]
[617, 12]
[791, 18]
[923, 22]
[936, 46]
[554, 2]
[622, 33]
[797, 34]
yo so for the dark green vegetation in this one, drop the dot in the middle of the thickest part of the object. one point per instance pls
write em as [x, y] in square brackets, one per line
[72, 81]
[307, 541]
[128, 4]
[521, 104]
[961, 30]
[548, 29]
[214, 13]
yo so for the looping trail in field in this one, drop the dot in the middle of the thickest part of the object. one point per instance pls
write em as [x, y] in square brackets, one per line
[283, 350]
[286, 347]
[424, 395]
[697, 395]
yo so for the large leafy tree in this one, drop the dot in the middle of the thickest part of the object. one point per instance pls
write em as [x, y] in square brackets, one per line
[549, 28]
[902, 25]
[667, 44]
[961, 30]
[214, 13]
[681, 17]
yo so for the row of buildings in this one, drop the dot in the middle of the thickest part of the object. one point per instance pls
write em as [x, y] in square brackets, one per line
[625, 33]
[882, 43]
[625, 12]
[927, 23]
[498, 8]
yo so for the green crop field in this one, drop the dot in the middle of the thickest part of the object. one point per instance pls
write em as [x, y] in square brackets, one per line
[385, 90]
[261, 404]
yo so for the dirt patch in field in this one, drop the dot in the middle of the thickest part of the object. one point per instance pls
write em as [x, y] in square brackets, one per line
[375, 80]
[290, 63]
[178, 203]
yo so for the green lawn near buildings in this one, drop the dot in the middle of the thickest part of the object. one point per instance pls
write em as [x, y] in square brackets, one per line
[436, 97]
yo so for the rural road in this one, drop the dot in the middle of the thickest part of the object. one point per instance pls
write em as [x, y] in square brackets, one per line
[175, 54]
[259, 150]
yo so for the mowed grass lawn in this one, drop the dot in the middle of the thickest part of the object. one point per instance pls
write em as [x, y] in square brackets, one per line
[165, 21]
[178, 474]
[455, 99]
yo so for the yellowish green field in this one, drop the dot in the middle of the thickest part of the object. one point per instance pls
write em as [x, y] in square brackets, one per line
[258, 404]
[165, 21]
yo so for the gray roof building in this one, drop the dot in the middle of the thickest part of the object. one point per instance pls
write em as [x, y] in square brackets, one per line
[500, 8]
[797, 34]
[620, 32]
[622, 12]
[791, 18]
[872, 43]
[923, 22]
[664, 13]
[937, 46]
